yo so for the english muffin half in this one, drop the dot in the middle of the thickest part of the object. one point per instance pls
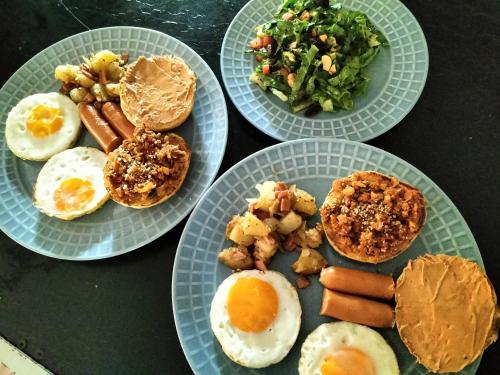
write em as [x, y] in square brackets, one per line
[158, 92]
[147, 169]
[370, 217]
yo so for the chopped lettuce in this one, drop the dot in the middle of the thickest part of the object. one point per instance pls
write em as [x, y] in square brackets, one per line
[317, 55]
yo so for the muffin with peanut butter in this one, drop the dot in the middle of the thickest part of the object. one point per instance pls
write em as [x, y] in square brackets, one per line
[370, 217]
[158, 92]
[446, 311]
[148, 169]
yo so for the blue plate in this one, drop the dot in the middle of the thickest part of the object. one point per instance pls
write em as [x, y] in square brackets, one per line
[398, 76]
[312, 164]
[113, 229]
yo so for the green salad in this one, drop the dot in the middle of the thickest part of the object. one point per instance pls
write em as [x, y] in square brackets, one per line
[313, 54]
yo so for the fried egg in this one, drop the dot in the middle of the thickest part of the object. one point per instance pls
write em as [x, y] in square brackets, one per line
[42, 125]
[71, 183]
[344, 348]
[255, 316]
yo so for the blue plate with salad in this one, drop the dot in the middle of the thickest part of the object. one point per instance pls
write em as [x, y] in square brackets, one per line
[317, 68]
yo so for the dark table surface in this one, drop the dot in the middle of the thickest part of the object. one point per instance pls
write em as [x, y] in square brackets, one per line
[114, 316]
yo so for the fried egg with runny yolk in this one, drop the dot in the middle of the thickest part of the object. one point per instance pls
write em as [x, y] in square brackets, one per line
[42, 125]
[255, 316]
[344, 348]
[71, 183]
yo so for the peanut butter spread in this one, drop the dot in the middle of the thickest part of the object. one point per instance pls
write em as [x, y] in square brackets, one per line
[371, 217]
[446, 311]
[147, 169]
[158, 92]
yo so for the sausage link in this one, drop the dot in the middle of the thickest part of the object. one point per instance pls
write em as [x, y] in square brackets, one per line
[114, 114]
[99, 128]
[357, 282]
[356, 309]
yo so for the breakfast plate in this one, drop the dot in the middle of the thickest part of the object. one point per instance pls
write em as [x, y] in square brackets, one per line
[113, 229]
[397, 74]
[312, 164]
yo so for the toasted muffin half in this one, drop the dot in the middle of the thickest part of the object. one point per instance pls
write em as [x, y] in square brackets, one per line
[158, 92]
[370, 217]
[147, 169]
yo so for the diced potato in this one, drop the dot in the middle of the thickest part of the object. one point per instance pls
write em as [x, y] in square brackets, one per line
[66, 73]
[253, 226]
[84, 81]
[101, 60]
[114, 71]
[234, 232]
[265, 248]
[79, 94]
[311, 238]
[290, 222]
[266, 198]
[272, 223]
[236, 258]
[310, 262]
[100, 93]
[113, 89]
[305, 202]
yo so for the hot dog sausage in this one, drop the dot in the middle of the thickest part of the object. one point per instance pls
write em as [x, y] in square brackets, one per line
[99, 128]
[357, 282]
[356, 309]
[114, 114]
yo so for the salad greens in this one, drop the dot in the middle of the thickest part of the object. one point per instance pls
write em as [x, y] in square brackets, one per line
[313, 53]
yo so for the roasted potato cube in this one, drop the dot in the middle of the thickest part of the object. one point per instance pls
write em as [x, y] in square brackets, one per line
[113, 89]
[253, 226]
[84, 81]
[266, 198]
[234, 232]
[114, 71]
[265, 248]
[236, 258]
[66, 73]
[99, 91]
[101, 60]
[290, 222]
[79, 94]
[305, 202]
[310, 262]
[311, 238]
[272, 223]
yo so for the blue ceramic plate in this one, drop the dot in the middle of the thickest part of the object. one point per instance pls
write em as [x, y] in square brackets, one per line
[312, 164]
[113, 229]
[397, 75]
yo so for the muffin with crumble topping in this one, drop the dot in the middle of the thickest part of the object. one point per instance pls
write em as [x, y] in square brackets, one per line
[147, 169]
[371, 217]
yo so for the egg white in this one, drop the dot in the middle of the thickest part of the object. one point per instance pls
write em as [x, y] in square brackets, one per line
[265, 348]
[26, 146]
[80, 162]
[333, 336]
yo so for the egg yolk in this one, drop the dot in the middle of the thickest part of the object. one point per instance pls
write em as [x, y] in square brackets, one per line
[347, 361]
[73, 194]
[44, 121]
[252, 304]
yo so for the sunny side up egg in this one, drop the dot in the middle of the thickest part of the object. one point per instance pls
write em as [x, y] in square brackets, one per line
[42, 125]
[343, 348]
[255, 316]
[71, 183]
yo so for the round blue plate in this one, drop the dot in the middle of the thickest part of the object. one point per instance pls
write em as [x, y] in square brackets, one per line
[397, 75]
[312, 164]
[113, 229]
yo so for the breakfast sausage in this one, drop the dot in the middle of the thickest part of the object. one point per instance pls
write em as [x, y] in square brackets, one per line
[356, 309]
[99, 128]
[114, 114]
[362, 283]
